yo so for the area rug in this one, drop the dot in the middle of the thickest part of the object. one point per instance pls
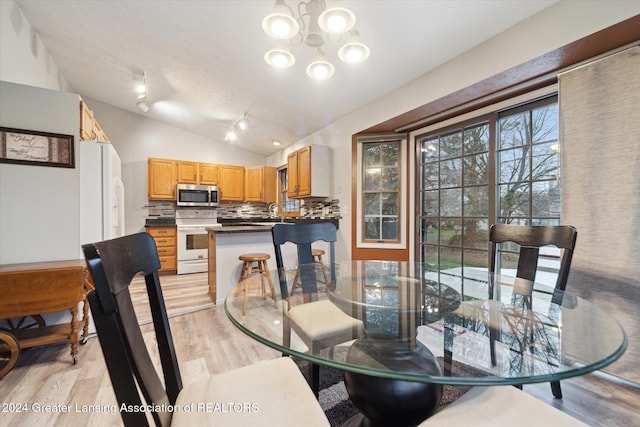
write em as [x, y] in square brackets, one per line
[335, 402]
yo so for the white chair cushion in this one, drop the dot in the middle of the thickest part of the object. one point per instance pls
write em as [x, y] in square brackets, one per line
[333, 320]
[269, 393]
[500, 406]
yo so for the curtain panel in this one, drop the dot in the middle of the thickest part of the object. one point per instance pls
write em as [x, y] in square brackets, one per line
[600, 154]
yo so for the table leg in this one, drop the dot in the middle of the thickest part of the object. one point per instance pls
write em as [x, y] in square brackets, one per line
[384, 401]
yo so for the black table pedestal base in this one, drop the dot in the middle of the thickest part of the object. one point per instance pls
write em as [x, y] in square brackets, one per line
[390, 402]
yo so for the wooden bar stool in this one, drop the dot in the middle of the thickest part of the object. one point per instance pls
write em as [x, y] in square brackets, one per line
[248, 268]
[318, 265]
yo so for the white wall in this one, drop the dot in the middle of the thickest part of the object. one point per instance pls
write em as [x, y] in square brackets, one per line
[556, 26]
[24, 59]
[39, 205]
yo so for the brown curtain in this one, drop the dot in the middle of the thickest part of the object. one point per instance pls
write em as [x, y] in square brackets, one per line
[600, 152]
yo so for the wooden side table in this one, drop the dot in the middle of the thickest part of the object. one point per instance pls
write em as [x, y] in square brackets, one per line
[31, 289]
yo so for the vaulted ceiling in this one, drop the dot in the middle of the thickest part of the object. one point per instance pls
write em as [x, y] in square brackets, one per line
[204, 59]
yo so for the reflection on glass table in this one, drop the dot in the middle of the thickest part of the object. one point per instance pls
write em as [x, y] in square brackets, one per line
[424, 328]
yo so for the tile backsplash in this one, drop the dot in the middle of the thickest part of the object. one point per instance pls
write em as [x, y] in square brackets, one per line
[329, 208]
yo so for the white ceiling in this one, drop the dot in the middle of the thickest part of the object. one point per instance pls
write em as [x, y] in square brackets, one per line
[205, 67]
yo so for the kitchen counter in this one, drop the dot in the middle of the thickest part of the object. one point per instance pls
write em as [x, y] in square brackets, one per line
[249, 228]
[160, 222]
[235, 238]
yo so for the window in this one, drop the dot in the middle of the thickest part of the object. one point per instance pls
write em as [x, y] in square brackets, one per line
[289, 205]
[460, 194]
[381, 191]
[454, 191]
[528, 181]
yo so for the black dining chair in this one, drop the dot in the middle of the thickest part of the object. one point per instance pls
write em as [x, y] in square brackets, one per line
[309, 301]
[267, 387]
[518, 247]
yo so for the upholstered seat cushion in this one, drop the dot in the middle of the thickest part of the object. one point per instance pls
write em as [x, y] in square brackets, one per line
[269, 393]
[500, 406]
[333, 320]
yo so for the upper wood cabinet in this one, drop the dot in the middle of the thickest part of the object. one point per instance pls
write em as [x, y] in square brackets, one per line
[231, 183]
[187, 172]
[197, 173]
[86, 121]
[89, 127]
[162, 179]
[208, 173]
[260, 184]
[309, 172]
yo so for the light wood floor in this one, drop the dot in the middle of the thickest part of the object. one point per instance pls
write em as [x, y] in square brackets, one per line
[207, 343]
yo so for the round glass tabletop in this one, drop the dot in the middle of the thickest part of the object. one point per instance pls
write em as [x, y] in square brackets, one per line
[399, 320]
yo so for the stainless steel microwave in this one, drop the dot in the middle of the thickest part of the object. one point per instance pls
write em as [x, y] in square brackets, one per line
[196, 195]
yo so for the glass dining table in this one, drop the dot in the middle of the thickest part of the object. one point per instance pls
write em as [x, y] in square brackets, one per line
[423, 328]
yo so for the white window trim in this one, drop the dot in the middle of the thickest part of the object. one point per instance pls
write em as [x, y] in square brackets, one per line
[402, 214]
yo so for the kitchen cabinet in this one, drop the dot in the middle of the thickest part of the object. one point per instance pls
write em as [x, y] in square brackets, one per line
[165, 238]
[86, 122]
[309, 172]
[260, 184]
[231, 183]
[187, 172]
[208, 173]
[197, 173]
[89, 128]
[162, 179]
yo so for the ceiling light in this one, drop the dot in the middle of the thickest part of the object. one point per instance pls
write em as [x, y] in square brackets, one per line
[320, 68]
[315, 21]
[336, 19]
[354, 52]
[142, 105]
[231, 135]
[280, 23]
[276, 142]
[280, 58]
[243, 123]
[143, 95]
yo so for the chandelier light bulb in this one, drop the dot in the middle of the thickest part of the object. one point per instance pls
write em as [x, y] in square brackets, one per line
[336, 20]
[354, 52]
[279, 58]
[320, 68]
[280, 23]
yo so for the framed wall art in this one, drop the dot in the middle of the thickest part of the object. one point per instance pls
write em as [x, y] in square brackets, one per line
[36, 148]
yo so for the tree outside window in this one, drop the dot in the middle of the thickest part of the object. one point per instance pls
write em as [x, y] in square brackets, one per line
[381, 191]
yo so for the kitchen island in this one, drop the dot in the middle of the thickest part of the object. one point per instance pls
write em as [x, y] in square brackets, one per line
[228, 242]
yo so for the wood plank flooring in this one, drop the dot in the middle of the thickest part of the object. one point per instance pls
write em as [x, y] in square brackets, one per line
[207, 343]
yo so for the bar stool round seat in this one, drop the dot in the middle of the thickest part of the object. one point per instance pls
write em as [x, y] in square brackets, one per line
[252, 278]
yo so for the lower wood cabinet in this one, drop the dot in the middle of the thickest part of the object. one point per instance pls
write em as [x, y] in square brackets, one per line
[165, 238]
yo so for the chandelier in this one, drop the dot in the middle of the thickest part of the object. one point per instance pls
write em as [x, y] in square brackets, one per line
[317, 20]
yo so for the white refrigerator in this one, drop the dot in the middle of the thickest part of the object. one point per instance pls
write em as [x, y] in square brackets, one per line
[101, 192]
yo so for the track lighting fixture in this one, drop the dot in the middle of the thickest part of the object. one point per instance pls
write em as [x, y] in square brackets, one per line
[241, 124]
[143, 94]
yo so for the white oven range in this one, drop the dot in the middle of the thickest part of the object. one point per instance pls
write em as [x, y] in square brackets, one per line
[192, 238]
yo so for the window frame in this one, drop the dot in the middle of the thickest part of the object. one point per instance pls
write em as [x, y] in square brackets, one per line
[361, 242]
